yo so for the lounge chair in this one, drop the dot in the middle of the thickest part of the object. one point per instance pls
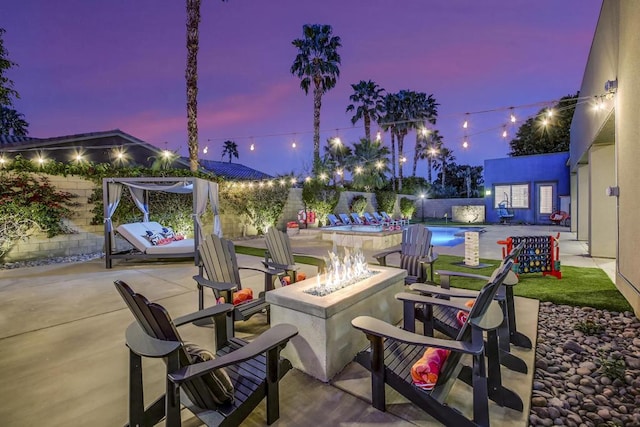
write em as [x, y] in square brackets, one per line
[218, 262]
[333, 220]
[394, 351]
[444, 319]
[356, 219]
[279, 255]
[505, 215]
[415, 253]
[399, 222]
[345, 219]
[371, 220]
[221, 391]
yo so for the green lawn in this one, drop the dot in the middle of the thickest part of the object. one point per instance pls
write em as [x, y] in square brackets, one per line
[579, 286]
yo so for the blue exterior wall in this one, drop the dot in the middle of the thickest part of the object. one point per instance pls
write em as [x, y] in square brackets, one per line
[536, 169]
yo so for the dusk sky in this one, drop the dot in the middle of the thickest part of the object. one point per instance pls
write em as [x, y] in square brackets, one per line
[95, 65]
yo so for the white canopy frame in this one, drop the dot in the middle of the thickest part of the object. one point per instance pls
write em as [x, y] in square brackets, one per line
[204, 193]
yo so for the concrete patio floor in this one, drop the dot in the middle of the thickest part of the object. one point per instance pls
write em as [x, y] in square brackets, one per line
[63, 360]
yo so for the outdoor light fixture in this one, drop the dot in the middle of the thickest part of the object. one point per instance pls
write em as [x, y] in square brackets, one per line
[512, 118]
[487, 192]
[378, 136]
[465, 144]
[465, 124]
[611, 86]
[308, 179]
[339, 172]
[323, 176]
[283, 182]
[293, 145]
[293, 181]
[252, 147]
[379, 164]
[205, 150]
[358, 170]
[422, 205]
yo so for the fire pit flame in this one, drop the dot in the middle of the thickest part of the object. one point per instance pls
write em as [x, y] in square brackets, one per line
[342, 272]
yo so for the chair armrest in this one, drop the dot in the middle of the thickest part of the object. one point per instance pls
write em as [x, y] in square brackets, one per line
[381, 257]
[271, 271]
[144, 345]
[428, 259]
[424, 288]
[372, 326]
[275, 266]
[221, 286]
[322, 263]
[462, 274]
[212, 311]
[276, 336]
[421, 299]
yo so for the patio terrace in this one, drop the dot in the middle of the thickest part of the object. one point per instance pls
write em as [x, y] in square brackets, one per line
[64, 362]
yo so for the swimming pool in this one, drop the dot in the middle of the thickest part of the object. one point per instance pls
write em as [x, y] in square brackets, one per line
[450, 236]
[442, 236]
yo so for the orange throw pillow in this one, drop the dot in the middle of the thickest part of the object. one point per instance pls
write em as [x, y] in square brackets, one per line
[242, 295]
[425, 371]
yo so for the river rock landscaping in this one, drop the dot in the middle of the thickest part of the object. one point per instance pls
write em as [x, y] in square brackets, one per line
[587, 368]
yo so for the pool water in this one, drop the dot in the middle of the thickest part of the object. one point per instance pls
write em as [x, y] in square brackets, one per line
[449, 236]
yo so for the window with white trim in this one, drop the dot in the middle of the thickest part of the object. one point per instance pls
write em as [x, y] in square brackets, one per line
[514, 195]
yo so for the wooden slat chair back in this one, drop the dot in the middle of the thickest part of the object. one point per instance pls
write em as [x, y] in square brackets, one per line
[279, 247]
[218, 262]
[415, 253]
[254, 372]
[393, 352]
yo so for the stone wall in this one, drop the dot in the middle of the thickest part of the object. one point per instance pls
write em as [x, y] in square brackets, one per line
[86, 239]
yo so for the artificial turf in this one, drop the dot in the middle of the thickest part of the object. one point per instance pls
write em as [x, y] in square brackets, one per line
[579, 286]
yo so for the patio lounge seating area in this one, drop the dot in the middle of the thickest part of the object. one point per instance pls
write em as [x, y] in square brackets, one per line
[63, 346]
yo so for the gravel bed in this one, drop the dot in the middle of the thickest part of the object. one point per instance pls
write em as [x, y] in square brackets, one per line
[572, 385]
[49, 261]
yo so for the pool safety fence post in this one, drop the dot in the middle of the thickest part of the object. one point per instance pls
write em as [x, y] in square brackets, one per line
[539, 254]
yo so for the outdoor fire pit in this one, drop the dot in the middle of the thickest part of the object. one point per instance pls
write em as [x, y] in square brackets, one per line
[326, 342]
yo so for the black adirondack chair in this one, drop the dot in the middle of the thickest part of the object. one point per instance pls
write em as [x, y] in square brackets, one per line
[219, 263]
[279, 255]
[254, 368]
[416, 253]
[444, 318]
[393, 351]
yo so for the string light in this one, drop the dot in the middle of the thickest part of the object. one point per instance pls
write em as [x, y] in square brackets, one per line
[339, 172]
[358, 170]
[466, 121]
[205, 150]
[504, 132]
[293, 144]
[252, 147]
[465, 144]
[550, 112]
[512, 117]
[379, 164]
[378, 136]
[308, 179]
[294, 181]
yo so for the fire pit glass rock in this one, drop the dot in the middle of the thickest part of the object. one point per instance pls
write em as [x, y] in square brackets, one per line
[342, 272]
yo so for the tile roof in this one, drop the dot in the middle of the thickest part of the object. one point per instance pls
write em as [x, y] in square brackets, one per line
[232, 170]
[15, 140]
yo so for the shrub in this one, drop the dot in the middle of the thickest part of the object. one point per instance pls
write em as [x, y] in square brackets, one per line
[386, 200]
[27, 205]
[407, 207]
[358, 204]
[612, 367]
[260, 207]
[320, 198]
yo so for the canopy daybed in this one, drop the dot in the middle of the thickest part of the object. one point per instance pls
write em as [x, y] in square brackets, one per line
[203, 192]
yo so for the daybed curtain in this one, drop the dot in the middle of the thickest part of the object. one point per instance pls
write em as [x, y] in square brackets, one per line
[138, 197]
[114, 191]
[213, 199]
[200, 203]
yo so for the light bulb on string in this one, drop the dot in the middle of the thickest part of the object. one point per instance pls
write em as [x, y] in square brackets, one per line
[465, 125]
[504, 132]
[252, 147]
[550, 112]
[378, 136]
[205, 150]
[293, 144]
[465, 144]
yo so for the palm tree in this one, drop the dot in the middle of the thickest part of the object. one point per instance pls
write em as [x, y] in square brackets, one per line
[404, 116]
[335, 158]
[369, 164]
[388, 123]
[230, 149]
[317, 62]
[191, 74]
[445, 156]
[424, 109]
[429, 149]
[371, 104]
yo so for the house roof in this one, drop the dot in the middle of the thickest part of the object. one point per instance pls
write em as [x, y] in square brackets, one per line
[233, 170]
[99, 147]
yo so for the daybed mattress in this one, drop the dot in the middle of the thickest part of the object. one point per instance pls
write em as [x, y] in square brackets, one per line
[135, 233]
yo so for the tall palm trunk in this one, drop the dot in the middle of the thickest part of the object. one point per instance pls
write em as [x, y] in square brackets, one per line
[367, 126]
[416, 153]
[317, 103]
[393, 159]
[429, 166]
[191, 74]
[401, 136]
[444, 171]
